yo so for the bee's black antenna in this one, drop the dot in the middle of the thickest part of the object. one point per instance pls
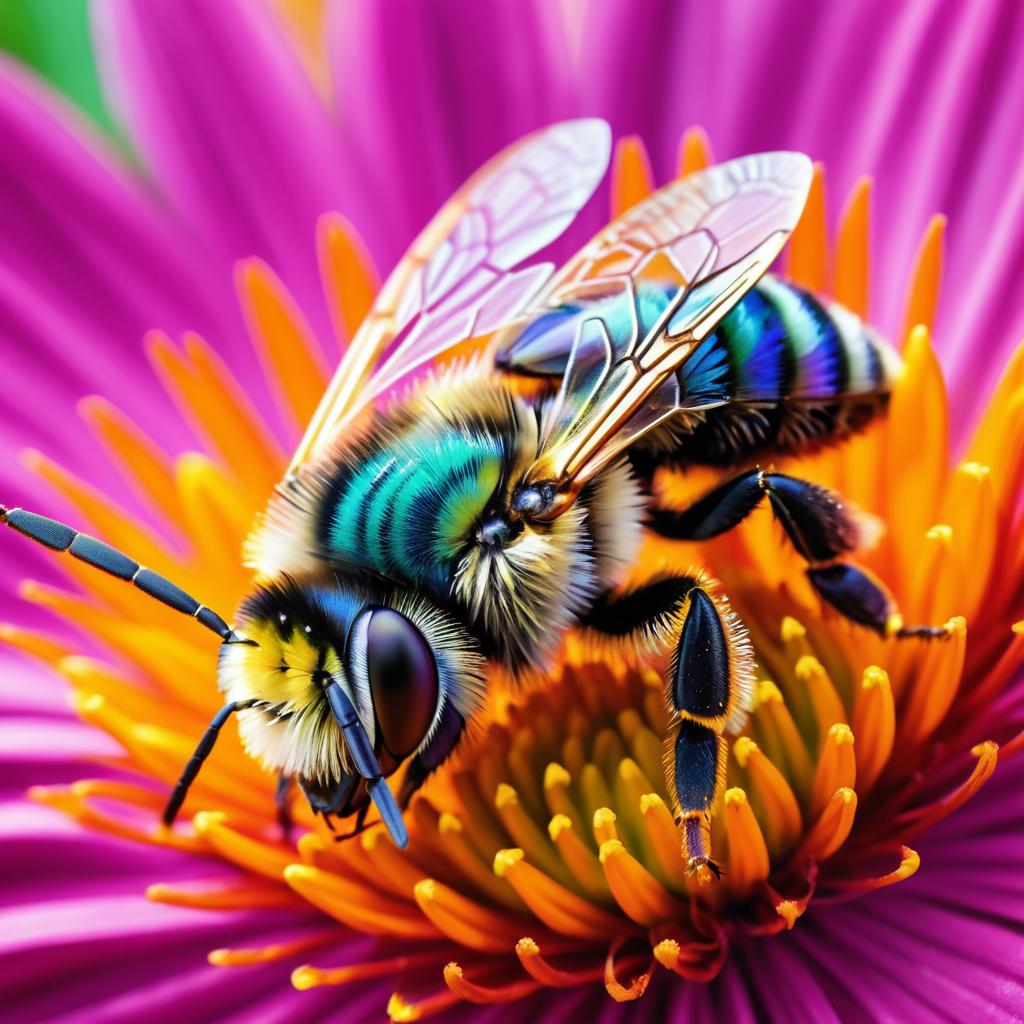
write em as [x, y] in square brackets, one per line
[59, 537]
[367, 764]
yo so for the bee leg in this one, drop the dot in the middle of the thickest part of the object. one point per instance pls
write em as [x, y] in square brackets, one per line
[284, 810]
[360, 825]
[819, 525]
[709, 683]
[195, 762]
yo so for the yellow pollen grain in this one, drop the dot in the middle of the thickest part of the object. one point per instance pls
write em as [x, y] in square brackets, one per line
[448, 823]
[399, 1010]
[742, 749]
[789, 911]
[505, 796]
[557, 825]
[556, 775]
[792, 630]
[504, 859]
[605, 828]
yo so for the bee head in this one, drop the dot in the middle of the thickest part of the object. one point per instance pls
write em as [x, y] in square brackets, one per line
[403, 665]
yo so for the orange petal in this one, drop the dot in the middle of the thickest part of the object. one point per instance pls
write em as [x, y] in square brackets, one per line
[694, 152]
[349, 278]
[807, 264]
[632, 178]
[852, 250]
[283, 340]
[923, 290]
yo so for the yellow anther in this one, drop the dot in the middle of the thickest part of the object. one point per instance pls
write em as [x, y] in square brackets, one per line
[556, 775]
[609, 848]
[505, 796]
[792, 629]
[841, 734]
[735, 797]
[557, 825]
[768, 693]
[742, 749]
[448, 823]
[504, 859]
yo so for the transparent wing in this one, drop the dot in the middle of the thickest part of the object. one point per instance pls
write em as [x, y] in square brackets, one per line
[456, 281]
[699, 244]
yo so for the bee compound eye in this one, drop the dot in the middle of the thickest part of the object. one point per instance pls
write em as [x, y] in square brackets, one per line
[403, 680]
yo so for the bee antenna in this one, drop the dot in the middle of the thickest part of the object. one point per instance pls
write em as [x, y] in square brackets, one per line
[58, 537]
[367, 764]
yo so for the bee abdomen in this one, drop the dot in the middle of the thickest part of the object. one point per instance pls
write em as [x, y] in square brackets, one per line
[789, 371]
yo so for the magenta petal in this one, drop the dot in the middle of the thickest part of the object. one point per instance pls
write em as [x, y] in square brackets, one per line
[87, 264]
[426, 93]
[230, 127]
[927, 98]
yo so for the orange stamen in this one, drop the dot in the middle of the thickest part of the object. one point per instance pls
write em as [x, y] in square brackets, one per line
[581, 862]
[466, 921]
[874, 721]
[749, 863]
[474, 992]
[547, 974]
[830, 831]
[642, 898]
[561, 910]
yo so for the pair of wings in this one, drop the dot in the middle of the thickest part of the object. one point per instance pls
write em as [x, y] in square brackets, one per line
[706, 239]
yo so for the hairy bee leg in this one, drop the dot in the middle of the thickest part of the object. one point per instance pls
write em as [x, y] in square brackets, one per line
[855, 595]
[195, 762]
[708, 686]
[820, 527]
[815, 519]
[59, 537]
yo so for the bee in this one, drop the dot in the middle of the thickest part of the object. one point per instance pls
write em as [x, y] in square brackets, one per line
[434, 523]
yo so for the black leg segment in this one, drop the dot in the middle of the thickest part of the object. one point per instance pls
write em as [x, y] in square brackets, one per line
[195, 762]
[816, 521]
[708, 685]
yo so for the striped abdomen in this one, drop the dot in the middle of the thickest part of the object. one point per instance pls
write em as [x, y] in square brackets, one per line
[783, 371]
[403, 505]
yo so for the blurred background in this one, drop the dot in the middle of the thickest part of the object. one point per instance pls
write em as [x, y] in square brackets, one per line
[52, 36]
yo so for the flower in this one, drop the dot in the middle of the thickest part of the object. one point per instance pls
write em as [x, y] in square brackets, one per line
[573, 794]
